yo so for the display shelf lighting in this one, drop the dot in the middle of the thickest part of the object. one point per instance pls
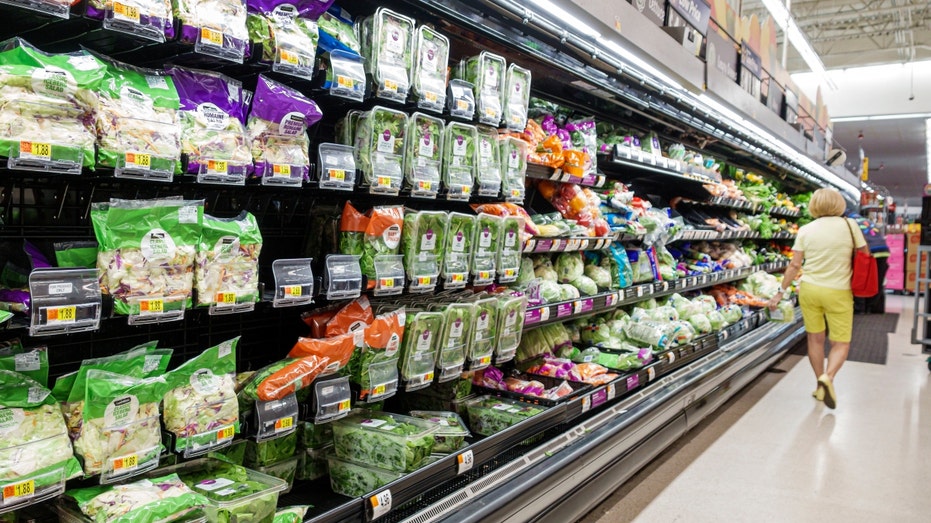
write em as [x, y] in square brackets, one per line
[564, 16]
[795, 36]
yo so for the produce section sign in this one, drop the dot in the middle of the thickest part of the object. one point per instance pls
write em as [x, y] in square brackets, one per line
[721, 53]
[654, 10]
[695, 12]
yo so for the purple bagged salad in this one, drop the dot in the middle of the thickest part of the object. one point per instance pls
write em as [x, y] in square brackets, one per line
[278, 129]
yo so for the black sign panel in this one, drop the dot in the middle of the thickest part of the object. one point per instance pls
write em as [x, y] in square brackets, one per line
[695, 12]
[654, 10]
[721, 54]
[751, 61]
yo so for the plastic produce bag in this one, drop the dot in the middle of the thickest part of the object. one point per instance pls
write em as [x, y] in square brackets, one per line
[352, 226]
[487, 73]
[382, 237]
[33, 364]
[488, 160]
[147, 251]
[458, 248]
[202, 397]
[145, 501]
[380, 142]
[387, 47]
[431, 59]
[459, 160]
[225, 20]
[288, 38]
[517, 98]
[423, 238]
[228, 260]
[278, 130]
[424, 154]
[380, 352]
[485, 248]
[213, 121]
[509, 251]
[337, 350]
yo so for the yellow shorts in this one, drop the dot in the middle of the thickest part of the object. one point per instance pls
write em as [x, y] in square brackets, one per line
[819, 303]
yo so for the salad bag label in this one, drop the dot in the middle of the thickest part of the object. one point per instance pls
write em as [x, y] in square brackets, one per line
[147, 254]
[165, 498]
[278, 130]
[458, 249]
[213, 118]
[35, 449]
[137, 122]
[50, 103]
[202, 400]
[431, 60]
[121, 434]
[228, 262]
[423, 155]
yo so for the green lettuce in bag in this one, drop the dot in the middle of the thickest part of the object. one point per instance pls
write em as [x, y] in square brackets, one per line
[228, 260]
[291, 514]
[145, 501]
[458, 248]
[34, 441]
[147, 252]
[202, 399]
[121, 429]
[32, 364]
[423, 238]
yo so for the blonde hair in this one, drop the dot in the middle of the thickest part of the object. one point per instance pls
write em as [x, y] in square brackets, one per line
[827, 202]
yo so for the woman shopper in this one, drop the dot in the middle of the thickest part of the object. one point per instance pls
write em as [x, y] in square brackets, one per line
[824, 248]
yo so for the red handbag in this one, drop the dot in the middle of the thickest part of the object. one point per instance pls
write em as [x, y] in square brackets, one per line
[865, 280]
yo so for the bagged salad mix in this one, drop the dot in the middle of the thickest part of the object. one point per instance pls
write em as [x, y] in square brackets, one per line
[424, 154]
[202, 398]
[137, 119]
[218, 26]
[487, 73]
[380, 141]
[228, 260]
[352, 226]
[120, 423]
[154, 500]
[213, 121]
[423, 237]
[33, 364]
[48, 103]
[459, 160]
[287, 32]
[387, 48]
[382, 237]
[431, 62]
[35, 441]
[374, 368]
[458, 249]
[485, 250]
[419, 346]
[517, 99]
[147, 252]
[278, 130]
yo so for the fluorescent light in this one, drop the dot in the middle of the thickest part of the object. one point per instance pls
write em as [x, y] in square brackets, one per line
[563, 16]
[796, 37]
[643, 66]
[878, 117]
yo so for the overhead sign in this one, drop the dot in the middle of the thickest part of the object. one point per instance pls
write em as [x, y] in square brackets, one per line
[695, 12]
[750, 61]
[655, 10]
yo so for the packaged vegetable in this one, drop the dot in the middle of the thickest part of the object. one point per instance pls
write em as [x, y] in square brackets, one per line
[648, 332]
[717, 320]
[228, 260]
[164, 498]
[120, 419]
[484, 331]
[453, 345]
[315, 435]
[292, 514]
[600, 276]
[511, 310]
[382, 237]
[423, 155]
[278, 130]
[423, 238]
[490, 415]
[516, 98]
[137, 120]
[202, 398]
[387, 47]
[313, 463]
[550, 291]
[355, 315]
[485, 250]
[337, 33]
[213, 121]
[509, 250]
[459, 160]
[355, 479]
[32, 363]
[388, 441]
[225, 36]
[488, 174]
[374, 368]
[419, 346]
[458, 249]
[296, 375]
[234, 494]
[48, 99]
[288, 37]
[569, 267]
[380, 142]
[249, 393]
[270, 451]
[585, 285]
[147, 252]
[487, 73]
[35, 443]
[431, 60]
[352, 226]
[701, 323]
[285, 470]
[732, 313]
[452, 432]
[513, 157]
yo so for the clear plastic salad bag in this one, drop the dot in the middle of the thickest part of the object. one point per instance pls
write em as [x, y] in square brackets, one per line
[517, 98]
[485, 249]
[388, 53]
[345, 130]
[487, 73]
[228, 261]
[424, 154]
[295, 42]
[453, 344]
[422, 238]
[457, 250]
[345, 75]
[459, 160]
[149, 19]
[511, 310]
[484, 333]
[514, 168]
[488, 161]
[509, 249]
[216, 27]
[422, 334]
[431, 60]
[44, 136]
[380, 141]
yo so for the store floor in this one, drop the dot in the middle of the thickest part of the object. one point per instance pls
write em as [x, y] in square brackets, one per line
[775, 454]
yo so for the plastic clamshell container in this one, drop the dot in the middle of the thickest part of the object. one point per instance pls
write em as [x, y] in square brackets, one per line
[489, 415]
[452, 431]
[284, 469]
[68, 513]
[258, 505]
[315, 436]
[234, 453]
[355, 479]
[270, 451]
[313, 463]
[386, 440]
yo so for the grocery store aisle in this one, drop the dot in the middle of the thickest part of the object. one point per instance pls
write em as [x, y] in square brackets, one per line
[775, 454]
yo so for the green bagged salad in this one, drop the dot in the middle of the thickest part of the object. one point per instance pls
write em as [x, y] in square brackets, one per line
[489, 415]
[388, 441]
[457, 329]
[516, 98]
[32, 364]
[234, 494]
[431, 59]
[387, 48]
[293, 514]
[380, 143]
[485, 250]
[227, 270]
[514, 168]
[423, 154]
[145, 501]
[458, 249]
[510, 248]
[422, 240]
[484, 332]
[34, 442]
[202, 398]
[488, 159]
[459, 160]
[418, 349]
[270, 451]
[487, 73]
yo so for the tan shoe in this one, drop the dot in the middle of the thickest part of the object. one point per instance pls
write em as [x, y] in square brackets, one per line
[818, 394]
[830, 399]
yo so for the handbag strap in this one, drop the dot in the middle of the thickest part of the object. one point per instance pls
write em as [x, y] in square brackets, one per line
[853, 239]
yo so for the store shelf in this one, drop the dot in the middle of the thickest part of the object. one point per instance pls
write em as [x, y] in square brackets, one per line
[543, 245]
[652, 173]
[586, 306]
[744, 205]
[708, 235]
[542, 172]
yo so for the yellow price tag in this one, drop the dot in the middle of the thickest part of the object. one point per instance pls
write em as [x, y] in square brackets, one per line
[338, 175]
[284, 424]
[509, 272]
[345, 82]
[466, 190]
[126, 463]
[143, 161]
[379, 390]
[515, 193]
[484, 275]
[425, 186]
[126, 12]
[211, 36]
[424, 281]
[384, 181]
[289, 57]
[428, 378]
[35, 149]
[431, 97]
[485, 360]
[21, 490]
[293, 291]
[62, 314]
[281, 170]
[225, 433]
[387, 283]
[226, 297]
[491, 113]
[391, 85]
[152, 306]
[458, 278]
[217, 166]
[343, 406]
[462, 105]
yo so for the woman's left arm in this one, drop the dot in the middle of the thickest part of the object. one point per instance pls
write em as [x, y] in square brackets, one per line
[792, 272]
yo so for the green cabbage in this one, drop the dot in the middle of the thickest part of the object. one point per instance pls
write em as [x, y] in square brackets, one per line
[569, 267]
[600, 276]
[550, 291]
[717, 320]
[701, 323]
[567, 292]
[586, 285]
[732, 313]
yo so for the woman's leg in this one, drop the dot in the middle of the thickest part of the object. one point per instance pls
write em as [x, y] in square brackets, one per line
[837, 357]
[816, 352]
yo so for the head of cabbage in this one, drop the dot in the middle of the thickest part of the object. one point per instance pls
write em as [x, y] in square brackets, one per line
[569, 267]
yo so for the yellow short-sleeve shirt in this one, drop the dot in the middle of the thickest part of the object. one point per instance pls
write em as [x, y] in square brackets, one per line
[828, 249]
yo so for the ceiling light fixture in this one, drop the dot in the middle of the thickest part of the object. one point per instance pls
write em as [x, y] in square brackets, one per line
[880, 117]
[797, 38]
[567, 19]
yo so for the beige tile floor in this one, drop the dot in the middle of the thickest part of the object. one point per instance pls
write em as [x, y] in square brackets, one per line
[775, 454]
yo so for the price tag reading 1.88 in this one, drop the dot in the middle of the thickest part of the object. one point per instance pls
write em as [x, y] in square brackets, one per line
[226, 298]
[35, 150]
[19, 491]
[61, 314]
[126, 463]
[226, 433]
